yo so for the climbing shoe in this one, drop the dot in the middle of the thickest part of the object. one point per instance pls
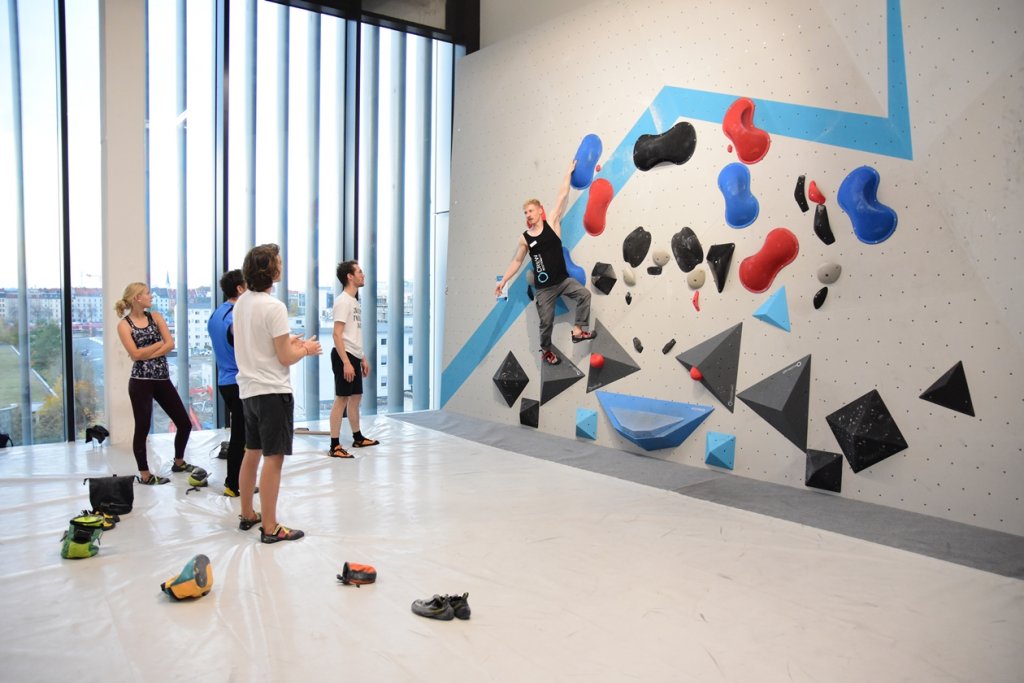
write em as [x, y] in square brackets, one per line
[183, 467]
[153, 480]
[460, 605]
[194, 581]
[281, 533]
[438, 607]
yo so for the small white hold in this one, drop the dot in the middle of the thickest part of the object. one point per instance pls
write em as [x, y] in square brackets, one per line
[628, 277]
[829, 272]
[661, 257]
[696, 278]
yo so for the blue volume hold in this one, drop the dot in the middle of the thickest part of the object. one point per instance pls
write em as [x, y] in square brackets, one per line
[873, 222]
[586, 158]
[741, 207]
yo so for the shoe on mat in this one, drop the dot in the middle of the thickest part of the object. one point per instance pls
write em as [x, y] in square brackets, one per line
[183, 467]
[339, 452]
[364, 443]
[460, 605]
[233, 493]
[549, 357]
[153, 480]
[246, 524]
[438, 607]
[281, 533]
[583, 336]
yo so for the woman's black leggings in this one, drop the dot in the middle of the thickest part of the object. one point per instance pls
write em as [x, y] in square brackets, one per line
[143, 392]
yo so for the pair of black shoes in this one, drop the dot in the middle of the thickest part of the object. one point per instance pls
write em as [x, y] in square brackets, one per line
[443, 607]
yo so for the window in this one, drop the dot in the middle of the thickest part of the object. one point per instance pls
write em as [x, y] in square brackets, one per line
[343, 113]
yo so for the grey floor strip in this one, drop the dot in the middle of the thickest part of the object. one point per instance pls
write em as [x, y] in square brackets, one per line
[971, 546]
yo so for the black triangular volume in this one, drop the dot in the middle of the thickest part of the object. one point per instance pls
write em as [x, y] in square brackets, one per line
[824, 471]
[719, 259]
[529, 413]
[617, 361]
[510, 379]
[554, 379]
[717, 359]
[951, 391]
[866, 431]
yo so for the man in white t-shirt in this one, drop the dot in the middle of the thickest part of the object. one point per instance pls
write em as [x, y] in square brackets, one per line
[264, 350]
[348, 360]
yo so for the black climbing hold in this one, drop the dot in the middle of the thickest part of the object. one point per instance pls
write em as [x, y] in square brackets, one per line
[510, 379]
[637, 345]
[635, 246]
[529, 292]
[629, 298]
[951, 391]
[801, 197]
[676, 146]
[822, 228]
[654, 270]
[866, 431]
[603, 277]
[719, 259]
[668, 347]
[819, 297]
[824, 470]
[529, 413]
[687, 250]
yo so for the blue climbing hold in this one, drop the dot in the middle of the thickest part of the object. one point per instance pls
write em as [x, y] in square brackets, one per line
[741, 207]
[576, 272]
[651, 423]
[720, 450]
[873, 222]
[586, 157]
[586, 423]
[775, 311]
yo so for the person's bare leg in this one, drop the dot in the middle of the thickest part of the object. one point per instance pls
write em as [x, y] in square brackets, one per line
[353, 412]
[270, 483]
[337, 410]
[247, 480]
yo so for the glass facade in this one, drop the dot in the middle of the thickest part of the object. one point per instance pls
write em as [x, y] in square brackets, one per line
[265, 123]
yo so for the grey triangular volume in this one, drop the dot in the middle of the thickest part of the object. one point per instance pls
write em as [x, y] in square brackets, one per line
[718, 360]
[782, 400]
[951, 391]
[617, 361]
[554, 379]
[510, 379]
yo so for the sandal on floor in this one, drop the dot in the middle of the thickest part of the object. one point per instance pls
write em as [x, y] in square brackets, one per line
[246, 524]
[364, 443]
[339, 452]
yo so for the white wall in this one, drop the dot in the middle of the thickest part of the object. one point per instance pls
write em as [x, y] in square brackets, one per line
[944, 288]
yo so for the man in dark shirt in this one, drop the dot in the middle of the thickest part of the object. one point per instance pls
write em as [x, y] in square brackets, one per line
[543, 242]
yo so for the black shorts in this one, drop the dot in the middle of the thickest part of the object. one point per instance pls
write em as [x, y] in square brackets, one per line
[342, 387]
[269, 423]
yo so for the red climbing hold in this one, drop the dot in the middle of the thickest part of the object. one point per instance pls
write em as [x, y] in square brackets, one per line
[696, 300]
[814, 194]
[751, 142]
[758, 271]
[597, 169]
[596, 361]
[696, 374]
[600, 196]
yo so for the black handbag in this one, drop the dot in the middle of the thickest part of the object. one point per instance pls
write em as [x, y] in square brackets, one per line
[113, 495]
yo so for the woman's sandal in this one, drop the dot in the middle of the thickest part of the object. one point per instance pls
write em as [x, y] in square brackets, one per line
[246, 524]
[339, 452]
[364, 443]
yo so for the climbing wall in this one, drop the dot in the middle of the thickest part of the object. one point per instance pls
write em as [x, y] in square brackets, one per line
[836, 87]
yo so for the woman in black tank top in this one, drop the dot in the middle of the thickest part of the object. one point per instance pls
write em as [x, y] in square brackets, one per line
[147, 340]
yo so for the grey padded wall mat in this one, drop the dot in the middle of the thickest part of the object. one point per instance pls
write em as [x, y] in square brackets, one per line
[984, 549]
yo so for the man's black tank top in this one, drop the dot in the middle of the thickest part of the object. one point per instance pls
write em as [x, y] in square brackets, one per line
[546, 255]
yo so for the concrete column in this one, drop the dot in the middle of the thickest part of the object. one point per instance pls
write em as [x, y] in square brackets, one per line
[123, 169]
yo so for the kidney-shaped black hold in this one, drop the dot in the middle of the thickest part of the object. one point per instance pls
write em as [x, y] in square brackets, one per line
[675, 146]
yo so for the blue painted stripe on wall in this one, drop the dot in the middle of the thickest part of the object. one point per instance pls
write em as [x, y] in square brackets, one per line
[888, 136]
